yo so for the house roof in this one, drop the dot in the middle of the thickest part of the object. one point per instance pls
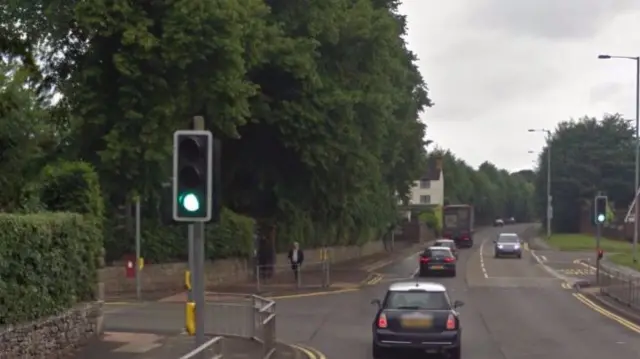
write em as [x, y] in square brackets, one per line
[433, 170]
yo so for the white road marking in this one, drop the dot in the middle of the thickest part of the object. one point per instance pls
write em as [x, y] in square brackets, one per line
[544, 259]
[484, 269]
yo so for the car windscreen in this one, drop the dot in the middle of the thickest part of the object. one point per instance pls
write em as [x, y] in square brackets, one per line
[508, 239]
[417, 300]
[444, 244]
[438, 253]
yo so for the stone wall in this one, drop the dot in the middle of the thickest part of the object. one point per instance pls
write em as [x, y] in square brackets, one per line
[170, 277]
[54, 336]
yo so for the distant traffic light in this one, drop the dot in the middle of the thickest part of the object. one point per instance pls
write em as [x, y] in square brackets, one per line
[600, 209]
[192, 176]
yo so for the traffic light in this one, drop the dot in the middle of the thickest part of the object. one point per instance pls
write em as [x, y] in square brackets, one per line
[600, 209]
[192, 176]
[600, 254]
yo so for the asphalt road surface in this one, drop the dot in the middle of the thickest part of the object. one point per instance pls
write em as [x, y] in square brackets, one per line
[514, 309]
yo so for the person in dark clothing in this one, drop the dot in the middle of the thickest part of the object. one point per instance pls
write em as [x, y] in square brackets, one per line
[296, 257]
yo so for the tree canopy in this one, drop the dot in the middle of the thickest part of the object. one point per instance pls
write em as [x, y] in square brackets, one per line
[495, 193]
[316, 104]
[587, 156]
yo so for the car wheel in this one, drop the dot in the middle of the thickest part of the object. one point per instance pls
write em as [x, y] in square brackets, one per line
[378, 353]
[520, 255]
[455, 353]
[453, 273]
[422, 274]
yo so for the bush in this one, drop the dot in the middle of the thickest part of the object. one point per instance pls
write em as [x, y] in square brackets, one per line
[71, 187]
[431, 218]
[47, 264]
[161, 243]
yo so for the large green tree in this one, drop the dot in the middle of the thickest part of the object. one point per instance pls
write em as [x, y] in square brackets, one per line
[316, 103]
[493, 192]
[587, 156]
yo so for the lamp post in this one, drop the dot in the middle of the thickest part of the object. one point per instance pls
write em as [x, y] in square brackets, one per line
[637, 171]
[549, 205]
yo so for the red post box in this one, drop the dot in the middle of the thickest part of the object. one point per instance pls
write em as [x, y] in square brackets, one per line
[129, 266]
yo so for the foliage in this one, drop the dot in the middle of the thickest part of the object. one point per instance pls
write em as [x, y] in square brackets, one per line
[587, 156]
[494, 193]
[47, 264]
[71, 187]
[432, 218]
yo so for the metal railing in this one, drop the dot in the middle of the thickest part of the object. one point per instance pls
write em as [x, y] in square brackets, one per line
[236, 315]
[621, 286]
[309, 275]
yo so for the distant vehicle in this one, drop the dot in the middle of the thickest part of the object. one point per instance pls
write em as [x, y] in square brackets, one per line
[449, 243]
[416, 316]
[458, 221]
[511, 220]
[437, 260]
[498, 222]
[507, 244]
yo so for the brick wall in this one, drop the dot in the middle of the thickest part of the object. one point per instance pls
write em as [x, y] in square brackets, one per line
[169, 277]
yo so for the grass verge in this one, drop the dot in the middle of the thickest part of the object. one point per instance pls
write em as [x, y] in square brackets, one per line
[583, 242]
[624, 259]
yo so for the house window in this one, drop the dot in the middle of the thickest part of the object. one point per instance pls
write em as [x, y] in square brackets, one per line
[426, 199]
[425, 184]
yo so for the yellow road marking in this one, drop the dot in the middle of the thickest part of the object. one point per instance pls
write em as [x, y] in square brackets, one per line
[376, 265]
[607, 313]
[312, 353]
[375, 279]
[308, 353]
[315, 294]
[566, 285]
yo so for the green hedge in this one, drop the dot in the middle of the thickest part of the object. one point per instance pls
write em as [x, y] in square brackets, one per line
[48, 263]
[232, 237]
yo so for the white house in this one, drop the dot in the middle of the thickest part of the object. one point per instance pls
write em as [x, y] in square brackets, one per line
[429, 189]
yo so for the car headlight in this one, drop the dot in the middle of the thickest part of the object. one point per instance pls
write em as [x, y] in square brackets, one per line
[517, 246]
[499, 246]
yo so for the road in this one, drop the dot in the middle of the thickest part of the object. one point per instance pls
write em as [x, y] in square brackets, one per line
[514, 309]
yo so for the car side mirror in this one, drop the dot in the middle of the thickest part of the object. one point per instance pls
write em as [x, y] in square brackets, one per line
[377, 303]
[458, 304]
[495, 241]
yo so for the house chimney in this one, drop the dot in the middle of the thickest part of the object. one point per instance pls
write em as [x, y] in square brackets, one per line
[439, 163]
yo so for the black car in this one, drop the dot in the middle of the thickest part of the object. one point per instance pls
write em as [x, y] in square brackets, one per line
[449, 243]
[437, 260]
[416, 317]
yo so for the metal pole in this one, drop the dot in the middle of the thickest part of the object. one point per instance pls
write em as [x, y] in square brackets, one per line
[549, 214]
[198, 280]
[598, 233]
[637, 179]
[138, 240]
[190, 240]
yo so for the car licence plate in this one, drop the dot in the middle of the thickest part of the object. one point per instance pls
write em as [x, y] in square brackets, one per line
[437, 267]
[416, 322]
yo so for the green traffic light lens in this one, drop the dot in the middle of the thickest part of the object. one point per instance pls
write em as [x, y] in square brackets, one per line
[601, 218]
[190, 202]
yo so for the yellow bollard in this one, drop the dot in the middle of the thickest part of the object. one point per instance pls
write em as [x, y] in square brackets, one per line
[187, 280]
[190, 318]
[140, 263]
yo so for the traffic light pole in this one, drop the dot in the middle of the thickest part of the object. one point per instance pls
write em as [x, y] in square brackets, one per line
[198, 264]
[598, 235]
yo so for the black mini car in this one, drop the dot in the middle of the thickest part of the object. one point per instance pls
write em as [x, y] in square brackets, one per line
[416, 317]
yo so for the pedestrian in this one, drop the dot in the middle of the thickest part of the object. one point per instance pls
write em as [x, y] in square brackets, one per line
[296, 257]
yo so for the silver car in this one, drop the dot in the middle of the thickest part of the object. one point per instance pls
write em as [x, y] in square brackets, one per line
[507, 244]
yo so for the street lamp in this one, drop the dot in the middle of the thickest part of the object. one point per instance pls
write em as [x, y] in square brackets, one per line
[549, 206]
[637, 171]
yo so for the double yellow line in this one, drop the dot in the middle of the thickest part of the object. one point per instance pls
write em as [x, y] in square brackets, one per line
[311, 353]
[375, 279]
[607, 313]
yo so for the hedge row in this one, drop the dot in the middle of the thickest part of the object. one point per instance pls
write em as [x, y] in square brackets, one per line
[48, 263]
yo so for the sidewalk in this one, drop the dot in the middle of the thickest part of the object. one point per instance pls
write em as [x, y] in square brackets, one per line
[344, 275]
[150, 346]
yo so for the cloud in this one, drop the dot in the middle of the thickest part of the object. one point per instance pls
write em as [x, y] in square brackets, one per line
[551, 19]
[498, 67]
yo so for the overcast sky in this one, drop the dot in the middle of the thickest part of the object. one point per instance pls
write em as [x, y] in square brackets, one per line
[496, 68]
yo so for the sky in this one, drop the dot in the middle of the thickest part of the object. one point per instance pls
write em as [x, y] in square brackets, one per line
[496, 68]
